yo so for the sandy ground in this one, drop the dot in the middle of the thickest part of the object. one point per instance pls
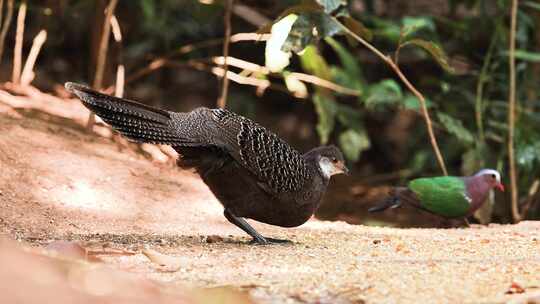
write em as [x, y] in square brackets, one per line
[59, 183]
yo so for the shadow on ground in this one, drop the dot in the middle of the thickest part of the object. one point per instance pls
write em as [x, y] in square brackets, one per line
[59, 183]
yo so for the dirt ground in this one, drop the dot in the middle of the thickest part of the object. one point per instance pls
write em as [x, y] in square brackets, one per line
[58, 182]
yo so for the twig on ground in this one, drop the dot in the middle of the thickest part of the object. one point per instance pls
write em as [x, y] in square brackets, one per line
[102, 54]
[28, 71]
[388, 60]
[17, 53]
[5, 27]
[222, 101]
[47, 103]
[511, 113]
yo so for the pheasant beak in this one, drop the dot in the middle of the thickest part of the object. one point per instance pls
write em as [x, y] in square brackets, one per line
[500, 186]
[332, 167]
[342, 168]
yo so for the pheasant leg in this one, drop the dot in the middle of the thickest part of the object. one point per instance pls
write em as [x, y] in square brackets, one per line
[257, 237]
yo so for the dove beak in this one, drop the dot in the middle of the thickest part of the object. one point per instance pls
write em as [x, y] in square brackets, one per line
[500, 186]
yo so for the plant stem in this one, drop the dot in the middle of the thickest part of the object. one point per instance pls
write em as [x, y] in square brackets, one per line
[511, 113]
[102, 55]
[479, 102]
[1, 11]
[407, 83]
[28, 71]
[120, 70]
[104, 45]
[17, 53]
[5, 26]
[222, 101]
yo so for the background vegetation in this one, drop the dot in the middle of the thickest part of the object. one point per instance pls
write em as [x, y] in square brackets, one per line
[355, 73]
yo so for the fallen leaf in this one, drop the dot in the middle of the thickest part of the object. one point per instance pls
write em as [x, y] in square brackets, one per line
[68, 249]
[172, 263]
[515, 288]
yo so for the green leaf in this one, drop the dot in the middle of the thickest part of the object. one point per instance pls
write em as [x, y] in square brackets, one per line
[414, 24]
[353, 143]
[308, 28]
[348, 61]
[293, 10]
[350, 75]
[331, 5]
[531, 4]
[341, 77]
[386, 28]
[148, 9]
[383, 93]
[299, 36]
[526, 55]
[418, 161]
[349, 117]
[358, 28]
[325, 25]
[312, 62]
[434, 50]
[528, 155]
[455, 127]
[326, 109]
[470, 162]
[307, 7]
[410, 102]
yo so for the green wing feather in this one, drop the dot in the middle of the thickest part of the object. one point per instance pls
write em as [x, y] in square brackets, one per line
[442, 195]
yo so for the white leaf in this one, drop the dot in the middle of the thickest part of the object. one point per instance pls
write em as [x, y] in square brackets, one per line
[275, 59]
[295, 86]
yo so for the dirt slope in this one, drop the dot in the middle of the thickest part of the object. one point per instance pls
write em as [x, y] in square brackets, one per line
[58, 182]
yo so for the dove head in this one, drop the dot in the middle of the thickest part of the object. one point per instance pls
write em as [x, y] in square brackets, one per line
[491, 177]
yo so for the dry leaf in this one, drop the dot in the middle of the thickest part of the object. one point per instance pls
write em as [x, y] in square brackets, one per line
[222, 295]
[68, 249]
[515, 288]
[213, 239]
[171, 263]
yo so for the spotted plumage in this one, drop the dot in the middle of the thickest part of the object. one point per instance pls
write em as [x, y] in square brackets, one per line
[271, 159]
[251, 171]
